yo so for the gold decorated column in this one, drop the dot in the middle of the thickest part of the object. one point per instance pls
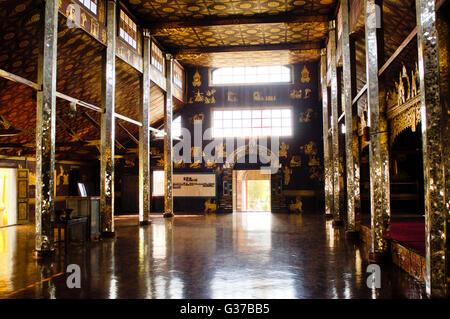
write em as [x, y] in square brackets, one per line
[434, 136]
[352, 158]
[378, 152]
[337, 192]
[46, 130]
[328, 168]
[108, 124]
[168, 155]
[144, 136]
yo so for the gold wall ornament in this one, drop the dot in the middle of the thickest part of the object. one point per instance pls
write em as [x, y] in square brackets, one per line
[287, 172]
[197, 79]
[160, 162]
[198, 117]
[306, 117]
[296, 161]
[210, 164]
[296, 206]
[407, 119]
[305, 75]
[199, 97]
[196, 164]
[313, 161]
[298, 94]
[231, 97]
[283, 149]
[258, 97]
[179, 164]
[210, 206]
[309, 149]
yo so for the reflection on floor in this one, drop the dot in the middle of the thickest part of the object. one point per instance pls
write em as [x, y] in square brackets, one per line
[241, 255]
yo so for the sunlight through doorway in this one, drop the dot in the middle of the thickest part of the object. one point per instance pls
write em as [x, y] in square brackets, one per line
[251, 191]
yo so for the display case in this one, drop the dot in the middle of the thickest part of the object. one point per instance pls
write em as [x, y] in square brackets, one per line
[86, 207]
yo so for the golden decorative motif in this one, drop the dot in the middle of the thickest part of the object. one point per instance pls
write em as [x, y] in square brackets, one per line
[197, 79]
[283, 149]
[404, 104]
[258, 97]
[287, 172]
[198, 117]
[298, 94]
[210, 206]
[305, 75]
[231, 97]
[179, 164]
[296, 161]
[306, 117]
[210, 164]
[297, 206]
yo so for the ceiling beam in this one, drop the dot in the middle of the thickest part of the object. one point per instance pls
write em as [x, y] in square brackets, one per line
[161, 28]
[241, 48]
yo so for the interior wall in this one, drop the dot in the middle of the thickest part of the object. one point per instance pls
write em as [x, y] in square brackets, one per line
[301, 156]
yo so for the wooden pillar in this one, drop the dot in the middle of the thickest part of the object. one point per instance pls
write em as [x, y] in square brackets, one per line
[46, 130]
[434, 136]
[337, 202]
[144, 136]
[326, 142]
[108, 124]
[352, 158]
[168, 155]
[378, 152]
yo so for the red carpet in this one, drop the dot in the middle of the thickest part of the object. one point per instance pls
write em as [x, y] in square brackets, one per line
[409, 234]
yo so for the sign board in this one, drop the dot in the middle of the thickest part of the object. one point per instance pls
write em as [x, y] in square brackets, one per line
[194, 185]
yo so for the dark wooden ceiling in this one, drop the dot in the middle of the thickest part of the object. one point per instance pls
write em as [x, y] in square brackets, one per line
[79, 72]
[209, 33]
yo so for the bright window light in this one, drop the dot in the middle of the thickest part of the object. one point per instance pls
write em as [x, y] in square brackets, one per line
[158, 183]
[251, 75]
[252, 122]
[90, 4]
[176, 129]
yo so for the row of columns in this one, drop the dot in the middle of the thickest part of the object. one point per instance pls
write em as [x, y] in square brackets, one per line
[46, 130]
[435, 135]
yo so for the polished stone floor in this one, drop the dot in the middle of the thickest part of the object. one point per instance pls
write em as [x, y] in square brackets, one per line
[241, 255]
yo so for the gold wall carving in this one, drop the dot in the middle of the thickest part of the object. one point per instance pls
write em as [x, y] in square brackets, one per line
[305, 75]
[197, 79]
[258, 97]
[404, 104]
[298, 94]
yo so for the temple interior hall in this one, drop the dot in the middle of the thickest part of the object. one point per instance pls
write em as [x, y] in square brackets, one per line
[193, 149]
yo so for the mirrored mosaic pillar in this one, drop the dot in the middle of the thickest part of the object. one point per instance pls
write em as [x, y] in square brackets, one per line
[144, 136]
[353, 198]
[328, 168]
[337, 200]
[46, 130]
[168, 155]
[434, 135]
[108, 125]
[378, 151]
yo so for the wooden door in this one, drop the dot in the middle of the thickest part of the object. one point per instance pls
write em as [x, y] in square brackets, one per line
[22, 196]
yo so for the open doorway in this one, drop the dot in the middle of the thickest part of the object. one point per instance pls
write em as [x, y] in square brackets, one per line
[251, 191]
[8, 196]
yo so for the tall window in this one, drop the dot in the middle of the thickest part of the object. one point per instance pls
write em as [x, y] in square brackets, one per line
[252, 122]
[251, 75]
[157, 58]
[128, 29]
[90, 4]
[178, 75]
[158, 183]
[176, 129]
